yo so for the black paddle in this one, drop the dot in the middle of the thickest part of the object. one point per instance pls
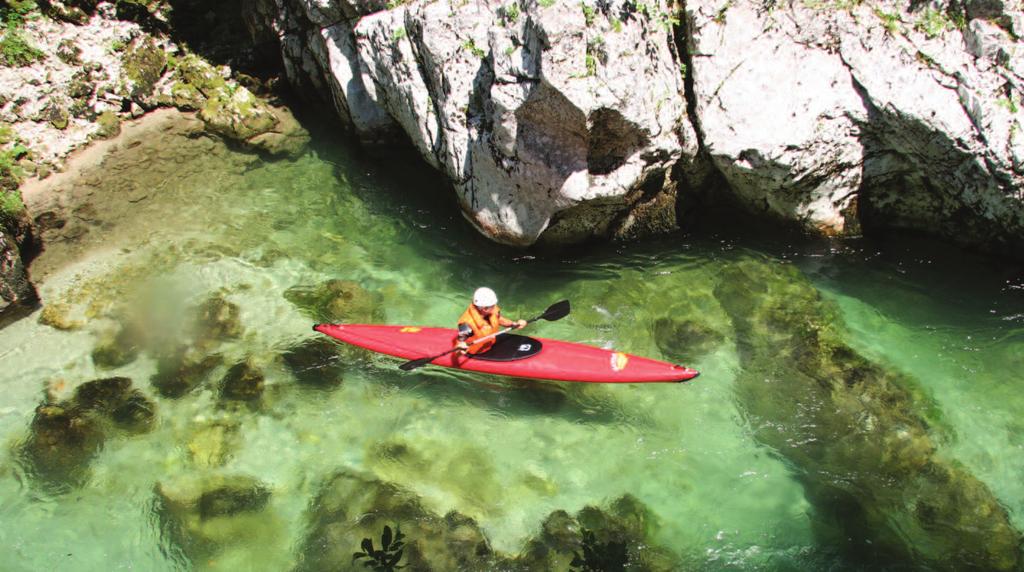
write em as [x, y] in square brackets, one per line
[556, 311]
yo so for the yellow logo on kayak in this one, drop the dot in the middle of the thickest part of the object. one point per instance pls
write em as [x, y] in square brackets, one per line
[619, 361]
[410, 330]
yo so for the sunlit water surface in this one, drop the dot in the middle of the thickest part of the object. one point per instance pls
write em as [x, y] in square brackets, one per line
[501, 452]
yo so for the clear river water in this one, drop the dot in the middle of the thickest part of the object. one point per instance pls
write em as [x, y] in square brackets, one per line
[170, 222]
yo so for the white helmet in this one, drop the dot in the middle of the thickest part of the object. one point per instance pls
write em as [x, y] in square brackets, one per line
[484, 297]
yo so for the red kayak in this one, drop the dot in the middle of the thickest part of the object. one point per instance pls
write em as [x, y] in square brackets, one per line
[512, 354]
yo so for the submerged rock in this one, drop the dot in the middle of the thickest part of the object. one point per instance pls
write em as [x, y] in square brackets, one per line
[65, 435]
[61, 443]
[217, 319]
[337, 301]
[683, 340]
[183, 371]
[210, 445]
[103, 395]
[862, 437]
[613, 538]
[202, 513]
[116, 349]
[315, 362]
[351, 507]
[243, 382]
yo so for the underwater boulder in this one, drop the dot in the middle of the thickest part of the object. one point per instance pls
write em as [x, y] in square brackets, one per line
[103, 394]
[684, 340]
[115, 349]
[315, 362]
[136, 413]
[243, 382]
[217, 319]
[201, 513]
[61, 443]
[861, 436]
[210, 444]
[115, 399]
[337, 301]
[182, 371]
[353, 509]
[618, 537]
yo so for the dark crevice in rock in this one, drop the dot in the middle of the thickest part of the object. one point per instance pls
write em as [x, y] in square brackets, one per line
[681, 36]
[699, 182]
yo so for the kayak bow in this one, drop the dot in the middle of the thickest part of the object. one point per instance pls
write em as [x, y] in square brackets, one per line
[555, 360]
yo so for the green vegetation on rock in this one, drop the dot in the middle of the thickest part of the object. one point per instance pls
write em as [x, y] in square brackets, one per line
[144, 63]
[862, 437]
[15, 51]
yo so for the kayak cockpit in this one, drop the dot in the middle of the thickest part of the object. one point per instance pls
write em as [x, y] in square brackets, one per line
[511, 347]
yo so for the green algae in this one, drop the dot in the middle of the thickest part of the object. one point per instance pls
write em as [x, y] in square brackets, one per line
[863, 438]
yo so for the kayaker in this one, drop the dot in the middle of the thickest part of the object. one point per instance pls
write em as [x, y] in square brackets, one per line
[482, 318]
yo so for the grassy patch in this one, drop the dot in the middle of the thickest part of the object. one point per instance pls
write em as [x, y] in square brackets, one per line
[933, 23]
[15, 51]
[471, 46]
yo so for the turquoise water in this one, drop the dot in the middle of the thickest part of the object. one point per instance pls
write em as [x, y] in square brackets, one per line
[502, 451]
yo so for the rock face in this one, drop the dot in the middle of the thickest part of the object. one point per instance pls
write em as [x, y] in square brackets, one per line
[530, 109]
[833, 116]
[838, 117]
[16, 292]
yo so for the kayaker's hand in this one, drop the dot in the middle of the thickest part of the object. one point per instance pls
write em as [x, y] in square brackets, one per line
[520, 324]
[461, 347]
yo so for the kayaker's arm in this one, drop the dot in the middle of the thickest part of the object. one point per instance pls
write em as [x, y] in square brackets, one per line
[464, 333]
[506, 323]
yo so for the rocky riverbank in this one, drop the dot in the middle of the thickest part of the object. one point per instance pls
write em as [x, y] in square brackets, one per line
[87, 68]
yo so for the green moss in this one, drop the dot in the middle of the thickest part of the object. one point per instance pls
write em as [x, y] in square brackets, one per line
[15, 51]
[471, 46]
[890, 21]
[109, 125]
[589, 13]
[831, 411]
[933, 23]
[193, 71]
[143, 62]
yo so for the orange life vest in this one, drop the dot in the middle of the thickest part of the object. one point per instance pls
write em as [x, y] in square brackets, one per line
[481, 327]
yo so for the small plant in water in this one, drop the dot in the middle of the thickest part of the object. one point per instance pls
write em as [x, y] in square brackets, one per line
[390, 554]
[608, 556]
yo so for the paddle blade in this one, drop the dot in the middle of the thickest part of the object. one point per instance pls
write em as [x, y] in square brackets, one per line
[556, 311]
[411, 365]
